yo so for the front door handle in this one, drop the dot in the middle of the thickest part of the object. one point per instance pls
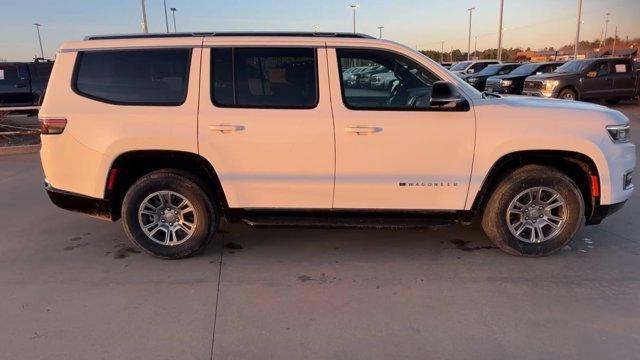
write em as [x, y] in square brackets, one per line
[20, 86]
[363, 130]
[225, 128]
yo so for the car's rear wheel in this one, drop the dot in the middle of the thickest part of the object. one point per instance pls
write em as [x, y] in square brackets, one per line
[169, 215]
[534, 211]
[568, 94]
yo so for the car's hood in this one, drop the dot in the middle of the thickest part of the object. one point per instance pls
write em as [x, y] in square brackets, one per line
[508, 77]
[549, 76]
[548, 113]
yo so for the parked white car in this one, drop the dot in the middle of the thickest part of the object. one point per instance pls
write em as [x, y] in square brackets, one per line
[172, 132]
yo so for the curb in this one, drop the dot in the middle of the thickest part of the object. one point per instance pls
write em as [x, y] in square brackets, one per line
[17, 150]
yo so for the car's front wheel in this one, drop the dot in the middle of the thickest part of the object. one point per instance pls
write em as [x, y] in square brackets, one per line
[169, 215]
[534, 211]
[568, 94]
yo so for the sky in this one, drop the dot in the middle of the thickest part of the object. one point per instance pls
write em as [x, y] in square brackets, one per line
[416, 23]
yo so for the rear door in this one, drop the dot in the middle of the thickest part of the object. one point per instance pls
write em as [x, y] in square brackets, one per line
[624, 79]
[14, 85]
[265, 124]
[599, 86]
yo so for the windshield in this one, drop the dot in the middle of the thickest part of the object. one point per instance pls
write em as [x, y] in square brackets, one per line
[573, 66]
[525, 69]
[460, 66]
[491, 70]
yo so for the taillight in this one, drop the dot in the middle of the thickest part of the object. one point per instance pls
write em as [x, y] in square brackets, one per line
[52, 126]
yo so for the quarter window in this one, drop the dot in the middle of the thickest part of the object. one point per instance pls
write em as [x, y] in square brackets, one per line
[134, 77]
[264, 77]
[381, 80]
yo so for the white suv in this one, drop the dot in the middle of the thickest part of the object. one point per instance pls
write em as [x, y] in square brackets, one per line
[173, 132]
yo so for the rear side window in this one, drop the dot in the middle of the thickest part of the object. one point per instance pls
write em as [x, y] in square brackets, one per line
[264, 77]
[134, 77]
[8, 74]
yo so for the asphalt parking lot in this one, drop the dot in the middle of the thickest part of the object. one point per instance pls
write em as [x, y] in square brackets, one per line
[73, 288]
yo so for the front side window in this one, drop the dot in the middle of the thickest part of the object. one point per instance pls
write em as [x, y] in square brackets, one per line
[601, 67]
[134, 77]
[264, 77]
[389, 81]
[8, 74]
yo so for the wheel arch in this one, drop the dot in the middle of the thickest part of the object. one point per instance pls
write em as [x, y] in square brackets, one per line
[579, 167]
[132, 165]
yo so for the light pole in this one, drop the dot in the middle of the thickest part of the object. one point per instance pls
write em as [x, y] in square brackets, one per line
[173, 13]
[145, 29]
[475, 47]
[380, 29]
[500, 32]
[442, 52]
[166, 18]
[575, 50]
[470, 10]
[354, 7]
[39, 39]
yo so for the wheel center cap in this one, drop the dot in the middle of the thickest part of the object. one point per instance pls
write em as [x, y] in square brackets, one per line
[170, 217]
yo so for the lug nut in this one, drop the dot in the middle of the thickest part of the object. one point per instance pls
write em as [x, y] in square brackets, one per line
[163, 220]
[540, 216]
[526, 218]
[175, 211]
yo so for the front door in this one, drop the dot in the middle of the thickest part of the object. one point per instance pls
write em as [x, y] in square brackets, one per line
[392, 150]
[265, 125]
[601, 84]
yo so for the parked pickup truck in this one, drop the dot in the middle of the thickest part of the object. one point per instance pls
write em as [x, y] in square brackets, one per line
[612, 79]
[22, 84]
[513, 82]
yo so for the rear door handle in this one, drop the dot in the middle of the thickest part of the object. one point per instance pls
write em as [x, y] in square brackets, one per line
[224, 128]
[363, 130]
[20, 86]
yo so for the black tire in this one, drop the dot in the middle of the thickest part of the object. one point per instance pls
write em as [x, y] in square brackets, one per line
[612, 101]
[568, 94]
[495, 214]
[191, 189]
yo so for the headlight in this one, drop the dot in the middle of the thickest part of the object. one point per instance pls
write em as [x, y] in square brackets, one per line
[619, 133]
[505, 83]
[472, 80]
[550, 85]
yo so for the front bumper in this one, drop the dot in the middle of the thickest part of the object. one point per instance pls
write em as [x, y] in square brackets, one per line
[98, 208]
[602, 211]
[539, 93]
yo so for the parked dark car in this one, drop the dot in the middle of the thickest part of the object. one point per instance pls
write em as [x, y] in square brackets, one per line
[611, 79]
[513, 83]
[479, 80]
[22, 84]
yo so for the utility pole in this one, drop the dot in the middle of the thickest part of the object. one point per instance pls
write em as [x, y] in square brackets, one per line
[380, 28]
[145, 29]
[451, 54]
[500, 32]
[615, 37]
[442, 53]
[173, 12]
[606, 26]
[575, 50]
[470, 10]
[166, 18]
[39, 39]
[354, 7]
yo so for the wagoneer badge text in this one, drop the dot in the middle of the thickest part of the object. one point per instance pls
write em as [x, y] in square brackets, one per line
[429, 184]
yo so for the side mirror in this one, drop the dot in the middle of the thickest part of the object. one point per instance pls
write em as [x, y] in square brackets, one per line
[471, 71]
[539, 73]
[445, 97]
[592, 74]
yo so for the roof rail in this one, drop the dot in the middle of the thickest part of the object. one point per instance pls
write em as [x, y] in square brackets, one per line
[201, 34]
